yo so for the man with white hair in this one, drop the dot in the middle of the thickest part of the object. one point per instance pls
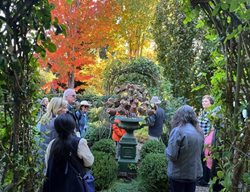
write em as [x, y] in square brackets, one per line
[70, 96]
[156, 119]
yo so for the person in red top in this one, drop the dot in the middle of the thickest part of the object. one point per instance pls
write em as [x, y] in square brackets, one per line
[117, 133]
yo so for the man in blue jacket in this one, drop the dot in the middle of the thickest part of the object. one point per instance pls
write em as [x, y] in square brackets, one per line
[156, 119]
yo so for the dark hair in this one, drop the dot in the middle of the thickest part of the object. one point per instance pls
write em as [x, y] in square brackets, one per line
[184, 115]
[210, 98]
[64, 125]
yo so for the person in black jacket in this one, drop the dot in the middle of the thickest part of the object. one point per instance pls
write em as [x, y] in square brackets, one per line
[66, 157]
[156, 119]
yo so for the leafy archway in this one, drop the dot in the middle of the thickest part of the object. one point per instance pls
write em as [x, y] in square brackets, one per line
[139, 71]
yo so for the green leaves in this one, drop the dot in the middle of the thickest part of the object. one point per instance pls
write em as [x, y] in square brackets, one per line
[51, 47]
[246, 178]
[69, 1]
[233, 5]
[234, 34]
[40, 49]
[200, 24]
[220, 174]
[198, 87]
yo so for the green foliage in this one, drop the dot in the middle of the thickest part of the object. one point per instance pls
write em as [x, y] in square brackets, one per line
[152, 146]
[95, 100]
[174, 46]
[137, 71]
[182, 51]
[96, 132]
[227, 24]
[246, 178]
[124, 186]
[153, 172]
[170, 106]
[141, 134]
[23, 33]
[104, 145]
[95, 113]
[104, 170]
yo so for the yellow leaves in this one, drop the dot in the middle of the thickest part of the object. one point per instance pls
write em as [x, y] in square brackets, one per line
[95, 84]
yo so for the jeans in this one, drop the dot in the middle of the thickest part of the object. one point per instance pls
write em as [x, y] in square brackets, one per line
[182, 185]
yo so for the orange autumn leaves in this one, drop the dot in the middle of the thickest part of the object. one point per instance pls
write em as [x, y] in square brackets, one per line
[88, 26]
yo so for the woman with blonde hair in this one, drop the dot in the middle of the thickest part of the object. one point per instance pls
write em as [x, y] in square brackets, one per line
[56, 106]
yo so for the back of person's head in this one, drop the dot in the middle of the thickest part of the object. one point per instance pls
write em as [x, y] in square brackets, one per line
[54, 107]
[210, 98]
[185, 114]
[155, 100]
[64, 125]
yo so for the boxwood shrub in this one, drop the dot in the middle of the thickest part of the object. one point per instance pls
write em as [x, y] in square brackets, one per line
[153, 172]
[152, 146]
[104, 169]
[104, 145]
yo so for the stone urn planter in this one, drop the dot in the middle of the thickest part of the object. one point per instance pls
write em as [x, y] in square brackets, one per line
[128, 159]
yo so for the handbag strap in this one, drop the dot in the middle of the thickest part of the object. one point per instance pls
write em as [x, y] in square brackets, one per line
[75, 163]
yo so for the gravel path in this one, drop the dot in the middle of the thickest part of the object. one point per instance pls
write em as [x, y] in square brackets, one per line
[201, 189]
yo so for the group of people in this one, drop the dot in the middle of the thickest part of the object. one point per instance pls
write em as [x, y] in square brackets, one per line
[189, 147]
[66, 150]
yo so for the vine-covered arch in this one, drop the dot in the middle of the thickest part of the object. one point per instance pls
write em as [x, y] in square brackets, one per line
[139, 71]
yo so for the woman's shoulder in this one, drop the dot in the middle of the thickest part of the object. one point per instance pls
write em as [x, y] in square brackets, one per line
[176, 130]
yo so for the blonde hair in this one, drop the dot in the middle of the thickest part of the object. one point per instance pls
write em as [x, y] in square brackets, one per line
[43, 100]
[54, 107]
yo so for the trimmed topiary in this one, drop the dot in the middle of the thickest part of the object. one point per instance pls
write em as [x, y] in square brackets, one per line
[104, 145]
[105, 170]
[152, 146]
[153, 172]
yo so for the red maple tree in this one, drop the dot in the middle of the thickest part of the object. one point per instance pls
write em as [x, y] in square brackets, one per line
[88, 26]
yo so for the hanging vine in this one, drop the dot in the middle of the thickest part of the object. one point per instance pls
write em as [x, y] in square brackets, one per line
[231, 21]
[23, 25]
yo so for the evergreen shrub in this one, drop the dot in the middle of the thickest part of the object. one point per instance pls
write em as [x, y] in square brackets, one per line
[152, 146]
[105, 170]
[153, 172]
[104, 145]
[96, 132]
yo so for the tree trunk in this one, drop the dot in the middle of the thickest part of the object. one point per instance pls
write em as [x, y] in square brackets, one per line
[71, 80]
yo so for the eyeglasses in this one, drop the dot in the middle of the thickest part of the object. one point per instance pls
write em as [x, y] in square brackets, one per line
[73, 95]
[86, 106]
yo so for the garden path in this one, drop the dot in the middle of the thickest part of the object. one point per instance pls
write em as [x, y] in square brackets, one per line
[201, 189]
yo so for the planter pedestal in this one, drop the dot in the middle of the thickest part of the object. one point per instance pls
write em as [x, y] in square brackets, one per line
[127, 157]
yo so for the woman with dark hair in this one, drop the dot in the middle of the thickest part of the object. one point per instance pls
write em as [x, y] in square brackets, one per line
[66, 157]
[184, 150]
